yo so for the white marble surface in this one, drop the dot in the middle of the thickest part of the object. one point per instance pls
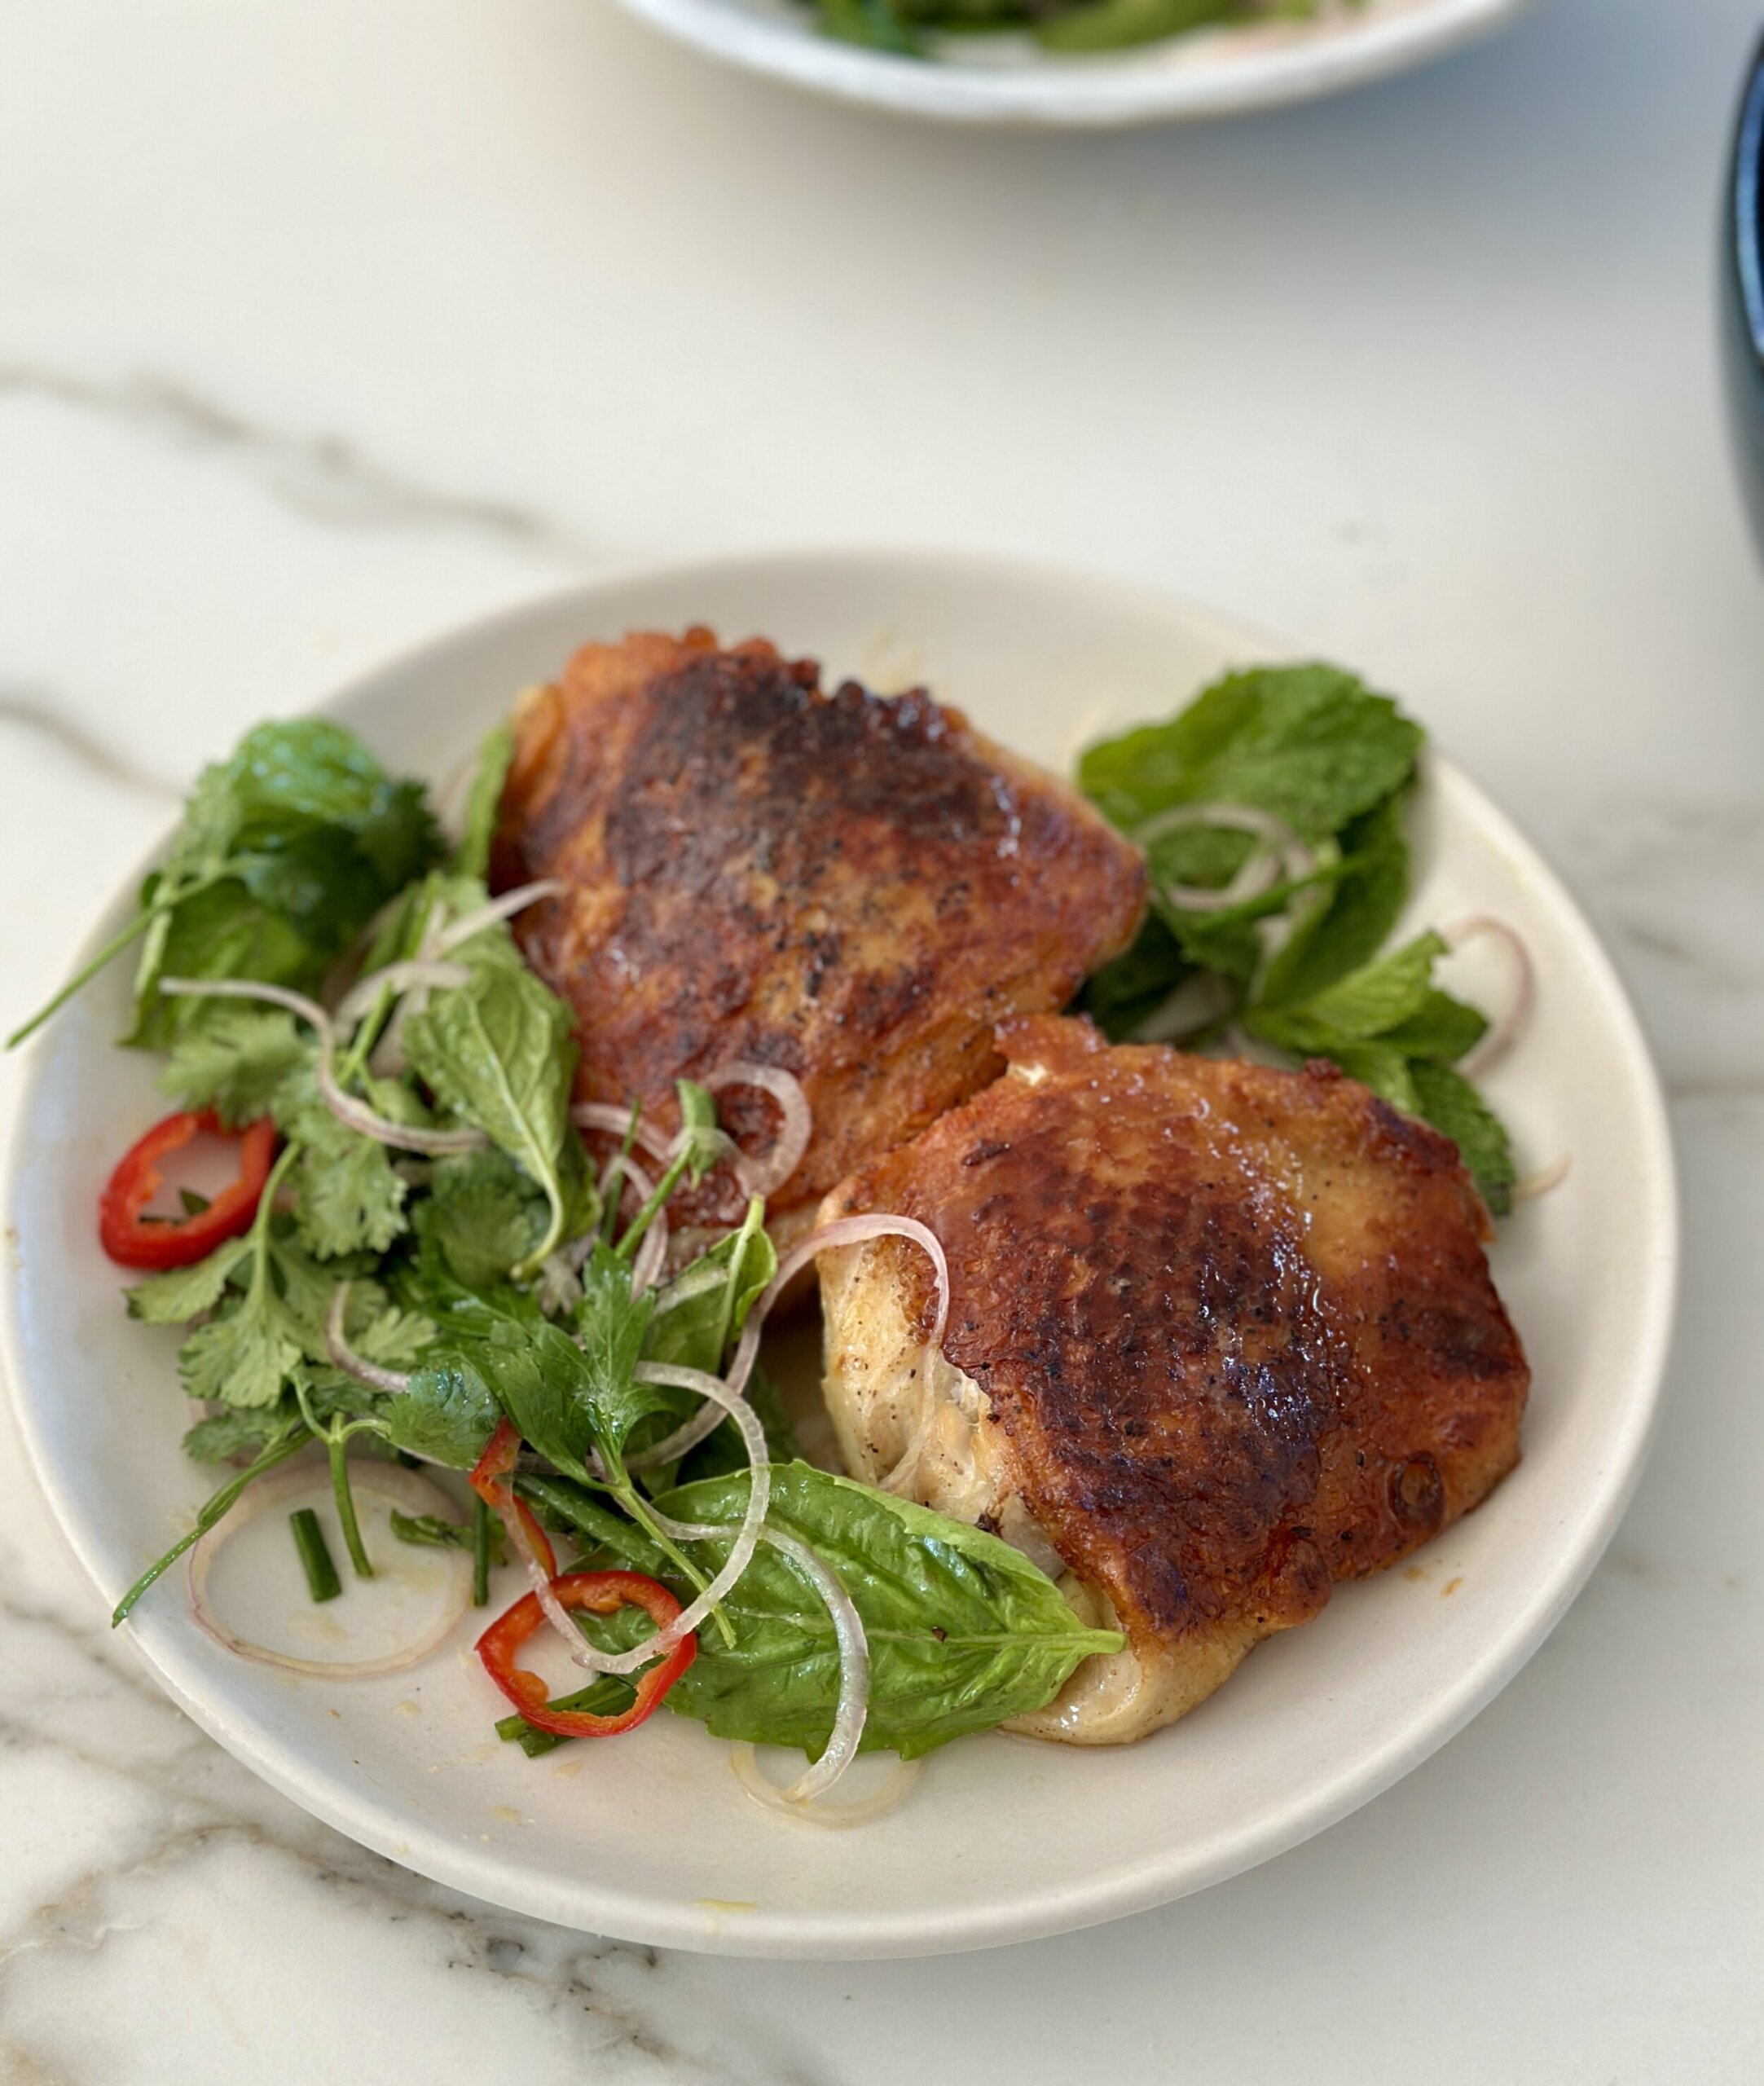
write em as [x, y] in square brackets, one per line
[323, 327]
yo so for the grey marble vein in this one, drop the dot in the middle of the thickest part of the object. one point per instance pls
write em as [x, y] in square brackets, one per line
[328, 477]
[38, 711]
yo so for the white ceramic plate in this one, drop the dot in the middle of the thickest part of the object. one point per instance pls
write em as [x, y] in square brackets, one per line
[1006, 79]
[654, 1839]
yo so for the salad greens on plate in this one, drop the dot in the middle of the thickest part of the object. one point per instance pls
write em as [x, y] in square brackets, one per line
[423, 1258]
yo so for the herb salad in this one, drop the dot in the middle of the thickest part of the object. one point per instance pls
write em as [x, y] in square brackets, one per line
[432, 1255]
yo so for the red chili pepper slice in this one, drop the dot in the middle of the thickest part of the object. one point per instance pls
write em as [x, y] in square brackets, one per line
[601, 1593]
[139, 1241]
[489, 1481]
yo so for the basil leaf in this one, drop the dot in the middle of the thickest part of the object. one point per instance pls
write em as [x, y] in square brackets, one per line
[964, 1631]
[499, 1052]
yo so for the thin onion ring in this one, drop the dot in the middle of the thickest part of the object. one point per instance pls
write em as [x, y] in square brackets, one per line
[503, 907]
[747, 1536]
[1501, 1029]
[345, 1358]
[745, 1763]
[616, 1123]
[412, 1492]
[766, 1178]
[399, 978]
[356, 1115]
[1283, 853]
[1529, 1186]
[853, 1707]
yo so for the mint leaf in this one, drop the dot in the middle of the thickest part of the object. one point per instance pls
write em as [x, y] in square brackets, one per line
[1361, 907]
[1364, 1005]
[1452, 1106]
[1310, 744]
[472, 857]
[499, 1052]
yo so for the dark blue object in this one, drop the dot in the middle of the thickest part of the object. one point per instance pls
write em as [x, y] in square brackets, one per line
[1742, 282]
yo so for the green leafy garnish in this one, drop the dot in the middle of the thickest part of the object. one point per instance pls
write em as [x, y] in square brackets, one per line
[964, 1631]
[499, 1052]
[1335, 763]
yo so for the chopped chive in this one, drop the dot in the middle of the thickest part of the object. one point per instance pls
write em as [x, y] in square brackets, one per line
[322, 1581]
[479, 1554]
[608, 1696]
[345, 1507]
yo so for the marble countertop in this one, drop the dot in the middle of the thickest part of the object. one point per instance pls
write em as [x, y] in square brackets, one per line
[321, 328]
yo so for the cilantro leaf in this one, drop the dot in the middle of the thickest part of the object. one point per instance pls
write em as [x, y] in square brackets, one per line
[244, 1356]
[488, 1216]
[239, 1062]
[350, 1198]
[180, 1294]
[447, 1415]
[226, 1434]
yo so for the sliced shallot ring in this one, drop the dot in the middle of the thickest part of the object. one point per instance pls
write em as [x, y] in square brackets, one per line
[744, 1762]
[1503, 1027]
[746, 1536]
[356, 1115]
[826, 1239]
[1529, 1186]
[651, 1256]
[1282, 854]
[399, 977]
[616, 1123]
[410, 1492]
[503, 907]
[766, 1177]
[345, 1358]
[853, 1707]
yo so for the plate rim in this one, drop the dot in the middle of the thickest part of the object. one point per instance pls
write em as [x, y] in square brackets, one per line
[1118, 1892]
[1093, 94]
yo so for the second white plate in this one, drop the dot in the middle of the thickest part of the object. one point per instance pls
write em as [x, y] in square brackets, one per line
[1008, 80]
[654, 1839]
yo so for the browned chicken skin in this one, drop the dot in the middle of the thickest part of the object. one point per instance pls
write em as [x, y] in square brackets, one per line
[1219, 1336]
[851, 888]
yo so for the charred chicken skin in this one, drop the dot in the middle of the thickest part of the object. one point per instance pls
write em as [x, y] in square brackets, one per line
[853, 889]
[1219, 1336]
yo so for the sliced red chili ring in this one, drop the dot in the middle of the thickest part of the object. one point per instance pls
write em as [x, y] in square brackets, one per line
[601, 1593]
[489, 1481]
[137, 1240]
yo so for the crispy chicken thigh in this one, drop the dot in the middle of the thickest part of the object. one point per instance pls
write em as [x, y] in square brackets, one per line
[853, 889]
[1218, 1336]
